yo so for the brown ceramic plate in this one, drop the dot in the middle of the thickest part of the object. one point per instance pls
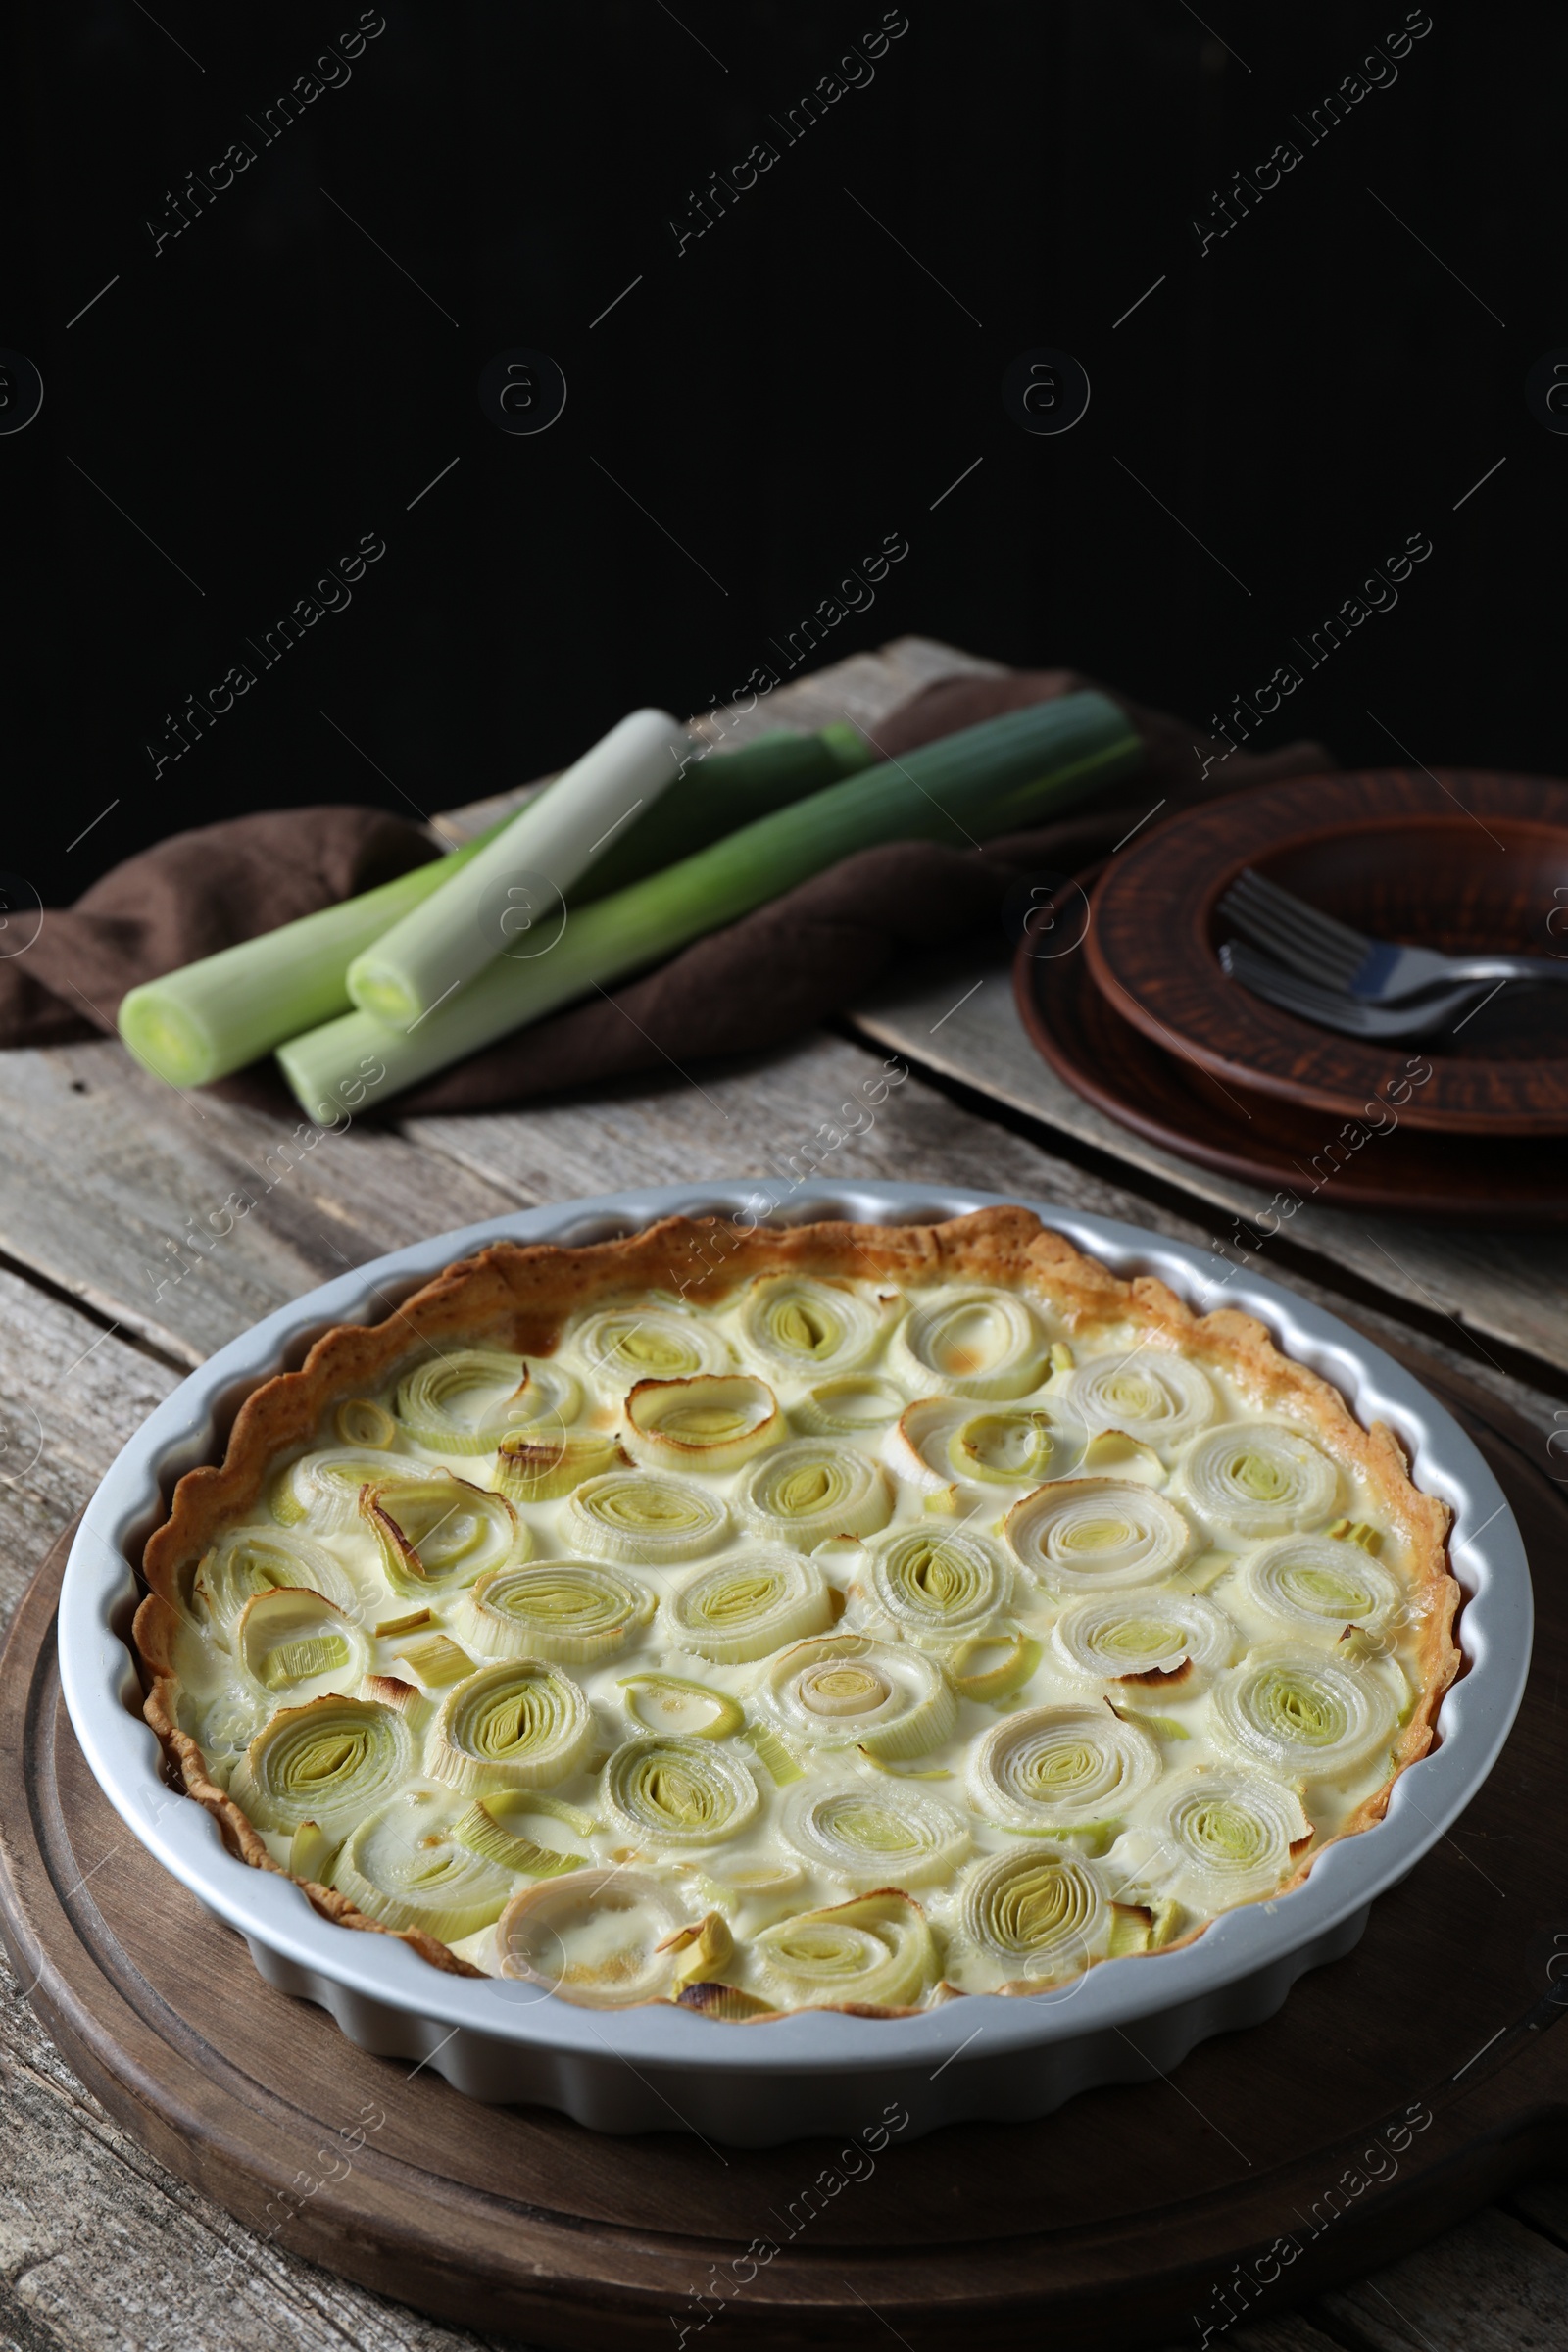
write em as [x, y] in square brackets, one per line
[1373, 1162]
[1460, 860]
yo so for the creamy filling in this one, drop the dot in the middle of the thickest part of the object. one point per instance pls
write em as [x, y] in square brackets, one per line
[943, 1608]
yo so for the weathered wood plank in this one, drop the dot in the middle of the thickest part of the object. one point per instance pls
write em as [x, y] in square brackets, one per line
[1292, 2332]
[101, 2249]
[69, 1397]
[107, 1176]
[1489, 2285]
[1496, 1285]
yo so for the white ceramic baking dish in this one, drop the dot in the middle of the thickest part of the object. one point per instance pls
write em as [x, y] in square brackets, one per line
[658, 2068]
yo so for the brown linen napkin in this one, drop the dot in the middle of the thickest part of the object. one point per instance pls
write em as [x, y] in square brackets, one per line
[783, 968]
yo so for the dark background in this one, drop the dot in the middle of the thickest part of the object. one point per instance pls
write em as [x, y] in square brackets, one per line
[270, 385]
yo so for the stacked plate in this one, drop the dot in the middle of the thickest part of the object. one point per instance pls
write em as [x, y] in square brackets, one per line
[1146, 1023]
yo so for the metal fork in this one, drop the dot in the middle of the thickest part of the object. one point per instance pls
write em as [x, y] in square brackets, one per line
[1372, 971]
[1331, 1010]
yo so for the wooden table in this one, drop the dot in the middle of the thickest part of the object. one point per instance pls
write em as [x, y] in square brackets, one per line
[102, 1311]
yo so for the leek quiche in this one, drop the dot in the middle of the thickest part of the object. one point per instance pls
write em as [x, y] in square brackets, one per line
[845, 1616]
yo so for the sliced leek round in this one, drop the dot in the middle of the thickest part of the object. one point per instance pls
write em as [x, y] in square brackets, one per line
[874, 1951]
[807, 1328]
[647, 1516]
[1010, 1446]
[748, 1605]
[806, 1492]
[1315, 1584]
[328, 1761]
[851, 1406]
[541, 1468]
[1158, 1636]
[712, 1421]
[843, 1690]
[974, 1343]
[1225, 1835]
[1041, 1915]
[360, 1421]
[1148, 1392]
[937, 1585]
[436, 1534]
[523, 1723]
[292, 1642]
[1089, 1535]
[225, 1726]
[325, 1487]
[1304, 1714]
[1058, 1768]
[468, 1401]
[572, 1610]
[1258, 1478]
[598, 1936]
[669, 1703]
[403, 1867]
[661, 1790]
[648, 1343]
[493, 1827]
[249, 1560]
[991, 1668]
[874, 1835]
[942, 1439]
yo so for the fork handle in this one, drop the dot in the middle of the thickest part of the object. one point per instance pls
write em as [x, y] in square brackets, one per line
[1502, 967]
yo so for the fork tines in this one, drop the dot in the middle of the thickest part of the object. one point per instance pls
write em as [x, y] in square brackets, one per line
[1277, 918]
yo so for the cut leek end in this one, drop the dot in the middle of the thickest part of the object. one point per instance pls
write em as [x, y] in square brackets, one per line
[851, 751]
[383, 994]
[165, 1040]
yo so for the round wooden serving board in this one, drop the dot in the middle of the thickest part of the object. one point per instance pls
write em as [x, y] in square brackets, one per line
[1396, 2090]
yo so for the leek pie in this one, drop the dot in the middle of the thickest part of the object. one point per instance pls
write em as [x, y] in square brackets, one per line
[843, 1616]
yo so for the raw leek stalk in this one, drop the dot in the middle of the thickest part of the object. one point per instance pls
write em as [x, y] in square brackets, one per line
[211, 1018]
[479, 911]
[1010, 771]
[717, 795]
[214, 1016]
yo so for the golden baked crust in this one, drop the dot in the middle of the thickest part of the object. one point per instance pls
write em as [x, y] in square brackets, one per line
[519, 1298]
